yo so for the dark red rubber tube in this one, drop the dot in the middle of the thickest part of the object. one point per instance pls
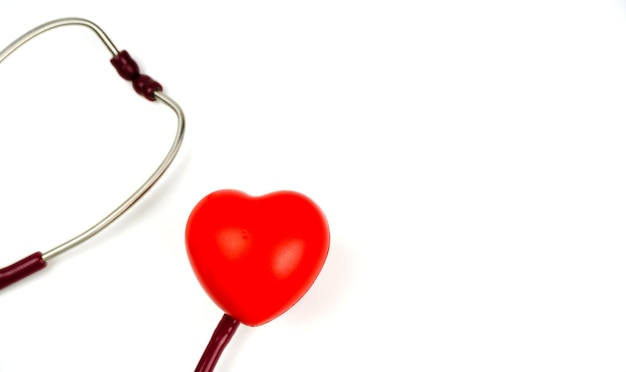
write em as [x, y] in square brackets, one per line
[21, 269]
[221, 337]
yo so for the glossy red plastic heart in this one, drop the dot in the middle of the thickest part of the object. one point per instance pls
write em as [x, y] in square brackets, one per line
[256, 256]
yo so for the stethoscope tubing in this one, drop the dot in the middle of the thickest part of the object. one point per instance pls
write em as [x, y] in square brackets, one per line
[39, 260]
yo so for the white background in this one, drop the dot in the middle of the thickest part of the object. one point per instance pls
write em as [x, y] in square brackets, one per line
[470, 157]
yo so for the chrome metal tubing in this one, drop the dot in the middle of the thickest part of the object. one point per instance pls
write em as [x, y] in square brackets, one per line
[156, 175]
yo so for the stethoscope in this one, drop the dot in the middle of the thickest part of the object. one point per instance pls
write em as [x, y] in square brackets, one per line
[145, 86]
[254, 256]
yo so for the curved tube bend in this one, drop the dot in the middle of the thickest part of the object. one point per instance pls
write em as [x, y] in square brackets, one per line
[147, 185]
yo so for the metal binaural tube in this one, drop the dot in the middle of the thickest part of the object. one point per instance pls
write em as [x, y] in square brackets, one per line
[38, 261]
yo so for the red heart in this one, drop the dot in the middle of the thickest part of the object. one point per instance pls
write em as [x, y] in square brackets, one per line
[256, 256]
